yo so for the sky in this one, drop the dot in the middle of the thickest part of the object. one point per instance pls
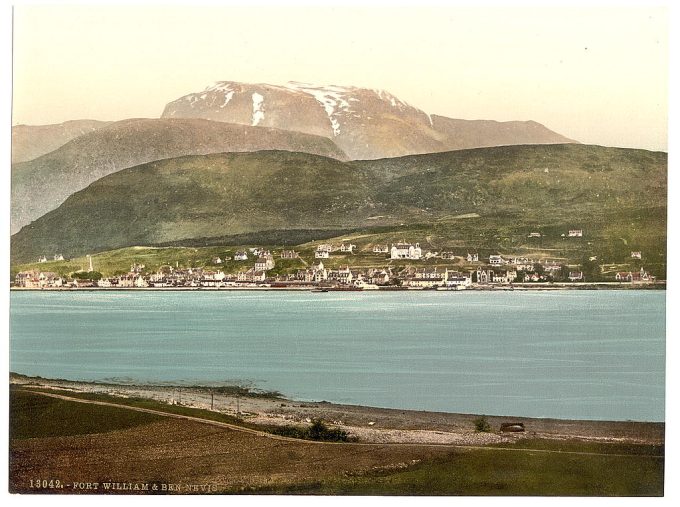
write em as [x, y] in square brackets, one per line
[598, 75]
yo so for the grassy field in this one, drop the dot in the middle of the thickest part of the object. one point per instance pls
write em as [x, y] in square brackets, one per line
[34, 416]
[71, 441]
[493, 472]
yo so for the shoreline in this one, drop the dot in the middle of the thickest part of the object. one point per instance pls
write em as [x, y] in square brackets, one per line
[368, 424]
[308, 288]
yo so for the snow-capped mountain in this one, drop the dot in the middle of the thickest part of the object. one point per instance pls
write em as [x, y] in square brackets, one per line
[364, 123]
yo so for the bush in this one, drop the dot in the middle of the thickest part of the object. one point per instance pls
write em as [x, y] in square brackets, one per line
[317, 431]
[482, 425]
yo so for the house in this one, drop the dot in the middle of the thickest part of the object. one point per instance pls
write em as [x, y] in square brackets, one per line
[240, 256]
[636, 255]
[624, 276]
[323, 251]
[504, 277]
[496, 260]
[140, 282]
[634, 276]
[406, 251]
[255, 251]
[486, 276]
[427, 278]
[252, 275]
[381, 249]
[49, 279]
[534, 235]
[264, 262]
[576, 276]
[27, 279]
[216, 260]
[552, 269]
[378, 277]
[58, 257]
[348, 248]
[458, 280]
[343, 275]
[575, 233]
[213, 275]
[448, 255]
[533, 277]
[305, 275]
[289, 254]
[472, 257]
[319, 272]
[42, 258]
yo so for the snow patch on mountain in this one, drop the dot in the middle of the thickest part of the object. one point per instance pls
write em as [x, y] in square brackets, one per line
[258, 110]
[332, 98]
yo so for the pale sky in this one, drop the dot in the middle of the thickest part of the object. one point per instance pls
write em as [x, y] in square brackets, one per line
[598, 75]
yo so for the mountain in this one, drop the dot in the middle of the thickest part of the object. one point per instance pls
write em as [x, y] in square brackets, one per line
[619, 192]
[465, 134]
[32, 141]
[364, 123]
[42, 184]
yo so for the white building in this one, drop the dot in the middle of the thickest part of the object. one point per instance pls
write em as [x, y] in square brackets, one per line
[428, 278]
[473, 257]
[264, 263]
[240, 256]
[140, 282]
[496, 260]
[458, 280]
[381, 249]
[322, 254]
[576, 233]
[406, 251]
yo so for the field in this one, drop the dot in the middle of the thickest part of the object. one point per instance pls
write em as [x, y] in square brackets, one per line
[78, 443]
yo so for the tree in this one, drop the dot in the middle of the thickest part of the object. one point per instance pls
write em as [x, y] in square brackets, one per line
[482, 425]
[87, 275]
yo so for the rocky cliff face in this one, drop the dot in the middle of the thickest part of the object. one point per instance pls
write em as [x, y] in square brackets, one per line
[364, 123]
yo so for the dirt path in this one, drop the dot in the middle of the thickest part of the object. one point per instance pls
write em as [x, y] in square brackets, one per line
[271, 436]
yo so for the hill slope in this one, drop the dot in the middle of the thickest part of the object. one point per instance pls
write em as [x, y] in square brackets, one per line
[226, 194]
[32, 141]
[364, 123]
[42, 184]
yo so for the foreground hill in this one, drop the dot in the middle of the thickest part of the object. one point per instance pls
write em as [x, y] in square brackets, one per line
[43, 184]
[195, 198]
[32, 141]
[364, 123]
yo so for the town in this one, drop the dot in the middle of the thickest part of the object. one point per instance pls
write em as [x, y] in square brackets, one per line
[395, 268]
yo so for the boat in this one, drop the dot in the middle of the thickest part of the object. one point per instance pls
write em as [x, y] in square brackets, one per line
[319, 290]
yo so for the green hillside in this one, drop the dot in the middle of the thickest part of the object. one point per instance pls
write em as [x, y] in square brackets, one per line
[488, 199]
[42, 184]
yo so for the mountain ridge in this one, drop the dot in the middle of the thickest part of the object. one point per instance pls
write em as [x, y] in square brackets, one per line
[32, 141]
[131, 142]
[365, 123]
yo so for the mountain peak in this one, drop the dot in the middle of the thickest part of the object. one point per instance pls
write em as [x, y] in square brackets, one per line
[365, 123]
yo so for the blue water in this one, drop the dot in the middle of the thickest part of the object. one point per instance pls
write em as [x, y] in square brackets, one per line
[566, 354]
